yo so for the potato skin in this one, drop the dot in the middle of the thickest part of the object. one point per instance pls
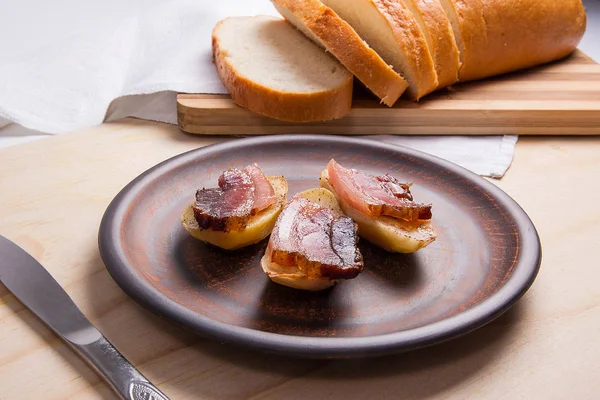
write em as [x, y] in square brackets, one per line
[294, 280]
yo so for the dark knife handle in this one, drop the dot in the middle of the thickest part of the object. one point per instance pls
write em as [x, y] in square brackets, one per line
[125, 380]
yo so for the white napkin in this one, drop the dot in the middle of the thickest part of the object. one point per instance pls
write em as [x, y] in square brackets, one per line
[63, 62]
[484, 155]
[68, 64]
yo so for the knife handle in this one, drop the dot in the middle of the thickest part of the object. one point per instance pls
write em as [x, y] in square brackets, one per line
[125, 380]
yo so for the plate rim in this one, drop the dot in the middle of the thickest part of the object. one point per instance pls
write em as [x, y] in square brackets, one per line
[524, 273]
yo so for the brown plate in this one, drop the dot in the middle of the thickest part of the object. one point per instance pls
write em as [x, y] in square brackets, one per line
[486, 256]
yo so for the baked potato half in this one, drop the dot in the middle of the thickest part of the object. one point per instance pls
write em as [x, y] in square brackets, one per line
[334, 254]
[258, 227]
[391, 234]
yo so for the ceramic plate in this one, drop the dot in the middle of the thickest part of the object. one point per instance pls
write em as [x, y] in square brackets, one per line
[486, 256]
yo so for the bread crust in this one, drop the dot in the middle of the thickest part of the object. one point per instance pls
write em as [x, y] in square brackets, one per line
[440, 39]
[526, 33]
[341, 40]
[284, 106]
[411, 40]
[471, 31]
[502, 36]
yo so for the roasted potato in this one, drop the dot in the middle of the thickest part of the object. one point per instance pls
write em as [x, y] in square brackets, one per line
[389, 233]
[258, 227]
[300, 273]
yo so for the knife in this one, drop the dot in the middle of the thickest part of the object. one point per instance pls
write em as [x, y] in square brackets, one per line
[31, 283]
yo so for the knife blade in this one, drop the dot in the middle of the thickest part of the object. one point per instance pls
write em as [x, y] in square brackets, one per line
[33, 285]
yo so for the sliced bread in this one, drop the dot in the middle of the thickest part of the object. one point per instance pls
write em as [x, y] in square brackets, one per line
[393, 32]
[468, 23]
[270, 68]
[440, 38]
[326, 28]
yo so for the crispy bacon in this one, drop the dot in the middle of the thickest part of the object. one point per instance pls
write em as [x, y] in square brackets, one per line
[376, 195]
[311, 238]
[241, 194]
[395, 187]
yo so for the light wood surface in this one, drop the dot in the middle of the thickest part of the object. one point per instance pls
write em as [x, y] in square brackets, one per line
[562, 98]
[54, 191]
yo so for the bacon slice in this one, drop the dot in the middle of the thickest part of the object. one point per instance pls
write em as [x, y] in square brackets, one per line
[376, 195]
[241, 194]
[264, 195]
[316, 241]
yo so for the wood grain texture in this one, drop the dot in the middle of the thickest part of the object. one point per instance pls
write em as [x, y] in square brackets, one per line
[562, 98]
[54, 192]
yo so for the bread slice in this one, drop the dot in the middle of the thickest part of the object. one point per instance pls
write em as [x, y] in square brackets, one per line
[270, 68]
[468, 24]
[436, 27]
[326, 28]
[258, 227]
[393, 32]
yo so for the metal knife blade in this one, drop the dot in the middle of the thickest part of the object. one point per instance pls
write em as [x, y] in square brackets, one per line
[31, 283]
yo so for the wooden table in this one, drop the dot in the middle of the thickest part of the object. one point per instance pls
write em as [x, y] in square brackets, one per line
[54, 191]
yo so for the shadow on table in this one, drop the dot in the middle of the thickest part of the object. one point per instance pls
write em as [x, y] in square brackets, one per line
[185, 365]
[417, 374]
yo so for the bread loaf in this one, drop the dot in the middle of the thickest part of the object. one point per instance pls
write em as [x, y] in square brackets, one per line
[270, 68]
[326, 28]
[500, 36]
[392, 46]
[393, 32]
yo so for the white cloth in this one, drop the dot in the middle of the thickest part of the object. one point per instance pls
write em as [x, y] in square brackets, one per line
[484, 155]
[63, 62]
[69, 64]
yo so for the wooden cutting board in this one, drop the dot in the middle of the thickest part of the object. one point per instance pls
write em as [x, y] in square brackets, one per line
[562, 98]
